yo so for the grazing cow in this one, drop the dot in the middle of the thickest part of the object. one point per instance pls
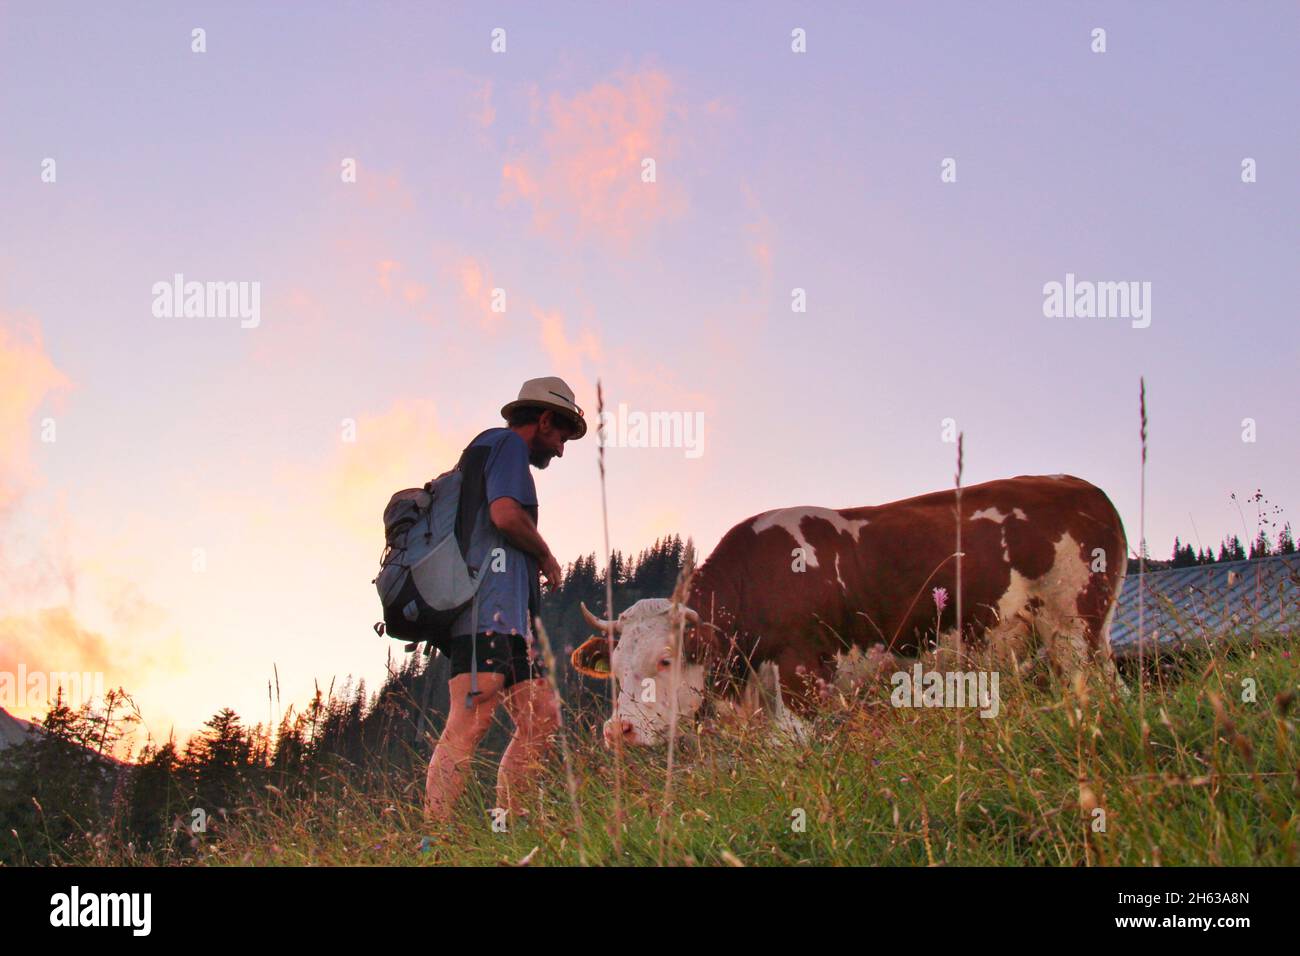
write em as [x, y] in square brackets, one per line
[799, 588]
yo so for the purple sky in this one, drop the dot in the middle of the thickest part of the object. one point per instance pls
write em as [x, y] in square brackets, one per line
[522, 171]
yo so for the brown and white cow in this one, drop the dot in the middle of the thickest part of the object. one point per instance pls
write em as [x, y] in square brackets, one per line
[1042, 562]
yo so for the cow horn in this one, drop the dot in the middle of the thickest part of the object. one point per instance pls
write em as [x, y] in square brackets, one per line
[596, 623]
[694, 617]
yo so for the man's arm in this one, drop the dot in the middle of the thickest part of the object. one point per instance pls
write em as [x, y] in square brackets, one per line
[517, 525]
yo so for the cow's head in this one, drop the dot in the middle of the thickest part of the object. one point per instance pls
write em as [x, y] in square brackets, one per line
[656, 656]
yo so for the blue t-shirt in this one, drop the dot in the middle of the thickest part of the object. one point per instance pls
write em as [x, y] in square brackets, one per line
[508, 576]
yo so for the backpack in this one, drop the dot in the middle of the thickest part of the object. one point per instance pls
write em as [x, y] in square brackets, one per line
[425, 581]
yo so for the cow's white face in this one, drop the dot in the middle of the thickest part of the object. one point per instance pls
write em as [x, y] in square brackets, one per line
[650, 678]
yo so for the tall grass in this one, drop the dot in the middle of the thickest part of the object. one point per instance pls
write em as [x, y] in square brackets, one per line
[610, 616]
[1200, 776]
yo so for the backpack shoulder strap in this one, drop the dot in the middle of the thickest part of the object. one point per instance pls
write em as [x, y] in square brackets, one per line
[473, 490]
[473, 499]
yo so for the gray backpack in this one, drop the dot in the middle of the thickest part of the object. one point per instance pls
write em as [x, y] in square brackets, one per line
[425, 581]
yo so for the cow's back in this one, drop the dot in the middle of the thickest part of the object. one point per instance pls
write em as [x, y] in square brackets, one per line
[800, 585]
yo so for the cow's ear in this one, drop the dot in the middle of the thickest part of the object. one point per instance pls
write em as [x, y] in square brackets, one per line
[591, 657]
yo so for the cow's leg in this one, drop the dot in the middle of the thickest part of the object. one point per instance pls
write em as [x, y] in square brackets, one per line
[1071, 639]
[768, 703]
[764, 693]
[1067, 648]
[856, 668]
[1038, 634]
[1076, 647]
[1104, 653]
[1010, 644]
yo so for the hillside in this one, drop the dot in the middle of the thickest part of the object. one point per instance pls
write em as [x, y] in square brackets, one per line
[14, 730]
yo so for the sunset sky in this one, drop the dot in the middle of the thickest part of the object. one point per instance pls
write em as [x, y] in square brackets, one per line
[179, 506]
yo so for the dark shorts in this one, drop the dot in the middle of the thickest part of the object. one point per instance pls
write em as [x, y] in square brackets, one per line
[505, 654]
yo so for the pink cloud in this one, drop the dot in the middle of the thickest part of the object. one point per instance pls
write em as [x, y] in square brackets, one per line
[586, 177]
[760, 239]
[384, 189]
[467, 275]
[50, 642]
[393, 449]
[485, 113]
[384, 270]
[27, 379]
[476, 287]
[568, 353]
[580, 356]
[43, 582]
[414, 292]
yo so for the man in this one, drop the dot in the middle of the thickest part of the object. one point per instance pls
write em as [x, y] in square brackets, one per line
[499, 644]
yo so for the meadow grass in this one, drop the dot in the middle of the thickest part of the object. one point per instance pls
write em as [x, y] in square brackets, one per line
[1066, 775]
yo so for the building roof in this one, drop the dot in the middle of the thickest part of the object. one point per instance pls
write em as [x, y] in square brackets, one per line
[1189, 604]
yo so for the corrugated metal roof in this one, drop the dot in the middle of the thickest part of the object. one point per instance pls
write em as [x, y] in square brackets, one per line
[1185, 604]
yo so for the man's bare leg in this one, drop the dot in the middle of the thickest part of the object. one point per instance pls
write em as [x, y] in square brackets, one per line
[535, 712]
[464, 729]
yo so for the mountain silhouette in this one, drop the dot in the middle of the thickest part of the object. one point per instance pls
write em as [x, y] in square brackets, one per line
[14, 730]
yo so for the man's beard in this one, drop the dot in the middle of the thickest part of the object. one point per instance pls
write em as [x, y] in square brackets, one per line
[540, 459]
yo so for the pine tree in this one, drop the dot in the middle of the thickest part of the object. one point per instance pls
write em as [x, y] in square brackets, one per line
[218, 761]
[156, 797]
[1232, 550]
[1184, 556]
[1260, 547]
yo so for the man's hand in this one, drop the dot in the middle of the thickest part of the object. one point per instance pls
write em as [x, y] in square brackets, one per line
[551, 571]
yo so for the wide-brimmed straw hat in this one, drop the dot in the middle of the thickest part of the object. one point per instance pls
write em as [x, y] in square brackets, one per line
[553, 393]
